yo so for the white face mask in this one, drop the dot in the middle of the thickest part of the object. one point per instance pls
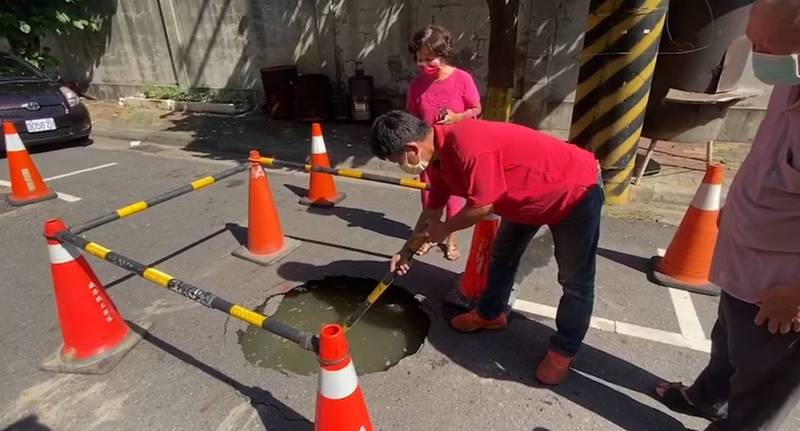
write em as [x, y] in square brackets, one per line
[777, 69]
[414, 169]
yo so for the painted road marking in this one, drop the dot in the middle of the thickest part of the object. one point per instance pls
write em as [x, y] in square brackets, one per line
[687, 315]
[69, 174]
[685, 311]
[62, 196]
[622, 328]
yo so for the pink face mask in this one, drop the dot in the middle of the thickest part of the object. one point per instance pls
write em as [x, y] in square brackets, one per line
[430, 69]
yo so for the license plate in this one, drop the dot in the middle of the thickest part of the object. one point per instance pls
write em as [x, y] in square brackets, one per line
[40, 125]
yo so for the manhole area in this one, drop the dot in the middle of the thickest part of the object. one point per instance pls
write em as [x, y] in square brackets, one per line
[392, 329]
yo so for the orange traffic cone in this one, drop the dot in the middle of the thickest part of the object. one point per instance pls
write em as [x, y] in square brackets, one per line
[27, 185]
[470, 285]
[340, 401]
[266, 243]
[687, 262]
[95, 336]
[322, 189]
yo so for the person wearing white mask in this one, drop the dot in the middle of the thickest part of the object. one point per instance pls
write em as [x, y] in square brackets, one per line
[528, 178]
[752, 381]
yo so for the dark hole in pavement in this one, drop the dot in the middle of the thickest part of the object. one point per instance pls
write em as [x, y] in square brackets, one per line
[394, 327]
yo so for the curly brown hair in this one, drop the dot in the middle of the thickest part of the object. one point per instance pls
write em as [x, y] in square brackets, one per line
[433, 39]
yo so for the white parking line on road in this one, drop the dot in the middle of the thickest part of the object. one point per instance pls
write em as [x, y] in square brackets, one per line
[687, 315]
[62, 196]
[622, 328]
[69, 174]
[66, 197]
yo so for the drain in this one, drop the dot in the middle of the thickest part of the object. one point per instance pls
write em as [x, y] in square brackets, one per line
[394, 328]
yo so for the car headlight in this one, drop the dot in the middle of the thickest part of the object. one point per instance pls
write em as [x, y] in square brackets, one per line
[70, 95]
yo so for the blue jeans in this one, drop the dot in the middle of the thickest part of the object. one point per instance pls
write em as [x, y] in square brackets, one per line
[575, 239]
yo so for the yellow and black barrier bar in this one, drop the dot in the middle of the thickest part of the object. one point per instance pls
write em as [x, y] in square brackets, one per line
[304, 340]
[140, 206]
[617, 66]
[407, 255]
[349, 173]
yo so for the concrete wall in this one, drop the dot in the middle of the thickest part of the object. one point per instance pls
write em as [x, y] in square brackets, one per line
[224, 44]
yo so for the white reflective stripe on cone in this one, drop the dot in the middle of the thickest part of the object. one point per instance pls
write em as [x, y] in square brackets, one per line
[335, 385]
[317, 145]
[707, 197]
[14, 143]
[63, 253]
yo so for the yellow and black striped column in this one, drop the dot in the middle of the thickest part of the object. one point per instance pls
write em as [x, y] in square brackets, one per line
[617, 64]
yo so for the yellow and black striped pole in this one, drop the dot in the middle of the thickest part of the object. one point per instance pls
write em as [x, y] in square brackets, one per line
[406, 255]
[140, 206]
[305, 340]
[349, 173]
[617, 64]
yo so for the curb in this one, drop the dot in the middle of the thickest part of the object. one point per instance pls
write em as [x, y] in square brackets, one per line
[641, 193]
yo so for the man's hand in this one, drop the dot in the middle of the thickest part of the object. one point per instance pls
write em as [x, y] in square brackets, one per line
[436, 232]
[398, 265]
[780, 307]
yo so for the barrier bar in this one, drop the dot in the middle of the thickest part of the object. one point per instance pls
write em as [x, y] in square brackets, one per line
[140, 206]
[304, 340]
[349, 173]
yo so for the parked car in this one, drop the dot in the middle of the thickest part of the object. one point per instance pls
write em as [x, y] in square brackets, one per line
[42, 110]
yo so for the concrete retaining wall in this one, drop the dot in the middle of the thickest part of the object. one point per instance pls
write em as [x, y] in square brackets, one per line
[224, 44]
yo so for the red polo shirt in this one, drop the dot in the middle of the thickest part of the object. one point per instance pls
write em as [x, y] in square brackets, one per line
[528, 176]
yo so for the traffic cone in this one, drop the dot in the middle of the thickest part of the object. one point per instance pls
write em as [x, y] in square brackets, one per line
[322, 188]
[94, 334]
[27, 185]
[340, 401]
[687, 262]
[266, 243]
[471, 284]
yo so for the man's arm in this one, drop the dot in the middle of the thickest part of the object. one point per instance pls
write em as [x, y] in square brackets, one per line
[465, 218]
[426, 217]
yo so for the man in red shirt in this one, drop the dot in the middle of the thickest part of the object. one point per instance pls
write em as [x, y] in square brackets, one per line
[528, 178]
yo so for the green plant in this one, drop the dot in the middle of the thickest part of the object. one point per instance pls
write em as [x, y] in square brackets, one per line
[24, 23]
[173, 92]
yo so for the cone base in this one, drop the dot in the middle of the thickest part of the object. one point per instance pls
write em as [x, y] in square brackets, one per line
[705, 288]
[457, 299]
[323, 202]
[289, 245]
[101, 363]
[50, 194]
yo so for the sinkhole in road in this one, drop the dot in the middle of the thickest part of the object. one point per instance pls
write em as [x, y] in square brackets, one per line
[394, 327]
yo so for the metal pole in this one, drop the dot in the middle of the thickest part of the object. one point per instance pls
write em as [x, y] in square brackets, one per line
[349, 173]
[140, 206]
[647, 157]
[305, 340]
[617, 65]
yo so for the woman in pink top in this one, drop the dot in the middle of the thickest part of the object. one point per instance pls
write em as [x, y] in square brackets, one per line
[440, 94]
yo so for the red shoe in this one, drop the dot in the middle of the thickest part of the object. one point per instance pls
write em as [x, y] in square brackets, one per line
[554, 368]
[471, 322]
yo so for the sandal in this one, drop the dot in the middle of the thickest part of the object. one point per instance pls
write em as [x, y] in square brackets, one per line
[674, 397]
[424, 249]
[450, 251]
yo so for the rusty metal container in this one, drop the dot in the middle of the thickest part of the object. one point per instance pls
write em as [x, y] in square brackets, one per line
[312, 97]
[701, 58]
[277, 82]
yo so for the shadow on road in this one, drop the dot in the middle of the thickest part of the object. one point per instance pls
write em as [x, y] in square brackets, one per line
[637, 263]
[29, 423]
[274, 414]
